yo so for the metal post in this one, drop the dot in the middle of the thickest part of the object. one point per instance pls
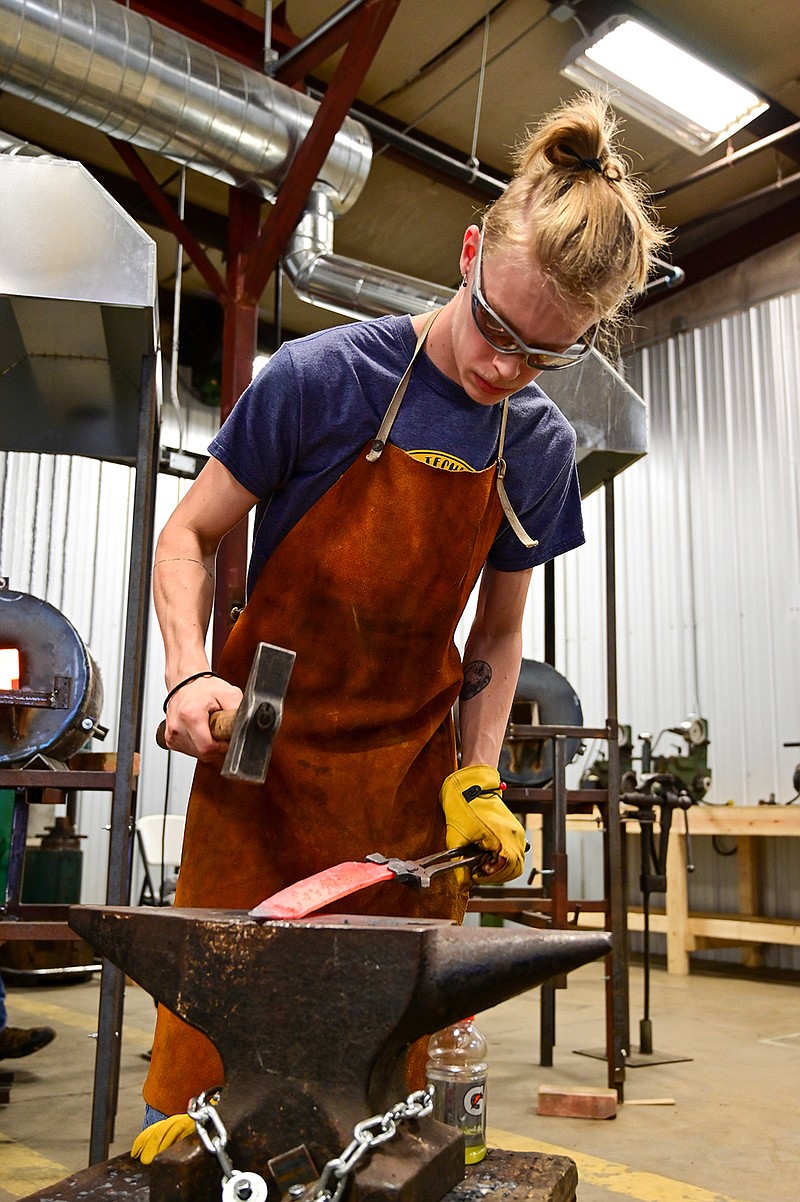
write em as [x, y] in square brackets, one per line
[617, 1011]
[550, 613]
[112, 983]
[547, 993]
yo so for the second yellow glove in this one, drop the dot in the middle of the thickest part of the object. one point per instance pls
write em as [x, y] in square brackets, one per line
[161, 1135]
[475, 813]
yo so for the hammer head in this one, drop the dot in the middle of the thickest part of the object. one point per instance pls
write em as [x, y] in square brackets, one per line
[258, 717]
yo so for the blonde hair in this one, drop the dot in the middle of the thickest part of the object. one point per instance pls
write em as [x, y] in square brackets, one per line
[574, 207]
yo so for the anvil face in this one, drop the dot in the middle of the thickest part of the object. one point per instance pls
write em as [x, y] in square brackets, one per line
[312, 1019]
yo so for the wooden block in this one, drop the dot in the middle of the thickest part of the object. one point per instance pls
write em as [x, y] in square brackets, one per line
[569, 1102]
[99, 761]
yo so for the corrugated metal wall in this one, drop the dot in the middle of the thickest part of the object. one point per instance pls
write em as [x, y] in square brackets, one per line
[708, 539]
[708, 542]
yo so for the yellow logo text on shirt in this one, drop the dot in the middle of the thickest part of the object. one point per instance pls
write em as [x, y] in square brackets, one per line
[447, 463]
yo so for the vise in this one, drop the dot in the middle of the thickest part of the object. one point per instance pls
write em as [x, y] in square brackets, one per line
[312, 1020]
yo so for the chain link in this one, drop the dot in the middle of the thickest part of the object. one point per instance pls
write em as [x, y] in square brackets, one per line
[368, 1134]
[203, 1110]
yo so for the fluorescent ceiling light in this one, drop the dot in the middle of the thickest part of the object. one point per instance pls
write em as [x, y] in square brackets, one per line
[664, 86]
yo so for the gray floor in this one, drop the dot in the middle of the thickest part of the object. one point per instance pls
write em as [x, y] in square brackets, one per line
[722, 1126]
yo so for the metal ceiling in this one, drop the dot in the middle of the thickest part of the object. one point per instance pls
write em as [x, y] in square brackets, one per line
[421, 94]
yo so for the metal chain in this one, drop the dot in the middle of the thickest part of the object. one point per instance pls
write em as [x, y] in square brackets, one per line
[367, 1135]
[204, 1113]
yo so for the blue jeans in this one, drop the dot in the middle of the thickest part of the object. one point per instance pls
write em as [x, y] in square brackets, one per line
[151, 1116]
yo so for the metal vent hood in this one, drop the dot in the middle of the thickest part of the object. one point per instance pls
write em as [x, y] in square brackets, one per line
[609, 418]
[78, 311]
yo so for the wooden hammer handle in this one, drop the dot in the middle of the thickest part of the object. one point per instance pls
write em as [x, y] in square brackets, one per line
[220, 723]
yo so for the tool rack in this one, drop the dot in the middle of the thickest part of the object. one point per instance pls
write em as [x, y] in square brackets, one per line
[549, 905]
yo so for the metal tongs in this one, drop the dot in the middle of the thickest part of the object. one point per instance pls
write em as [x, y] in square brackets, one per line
[419, 873]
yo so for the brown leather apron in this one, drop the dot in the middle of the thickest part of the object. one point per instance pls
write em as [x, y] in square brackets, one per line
[368, 589]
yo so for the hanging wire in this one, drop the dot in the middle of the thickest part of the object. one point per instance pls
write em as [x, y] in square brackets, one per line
[440, 57]
[473, 160]
[67, 504]
[176, 318]
[468, 78]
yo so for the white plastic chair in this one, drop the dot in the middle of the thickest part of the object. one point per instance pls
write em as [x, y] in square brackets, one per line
[160, 840]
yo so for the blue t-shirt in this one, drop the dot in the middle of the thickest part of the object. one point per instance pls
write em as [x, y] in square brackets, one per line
[320, 400]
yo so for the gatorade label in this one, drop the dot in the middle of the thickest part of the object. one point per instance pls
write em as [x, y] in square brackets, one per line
[460, 1104]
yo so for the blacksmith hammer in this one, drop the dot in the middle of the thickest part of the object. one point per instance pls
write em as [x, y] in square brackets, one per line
[251, 728]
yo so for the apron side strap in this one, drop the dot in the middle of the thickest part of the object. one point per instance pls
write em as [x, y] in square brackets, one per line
[382, 436]
[513, 520]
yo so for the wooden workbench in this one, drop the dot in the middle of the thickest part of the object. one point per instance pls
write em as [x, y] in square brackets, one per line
[688, 932]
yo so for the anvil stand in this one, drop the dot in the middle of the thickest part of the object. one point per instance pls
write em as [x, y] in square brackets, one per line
[653, 879]
[665, 793]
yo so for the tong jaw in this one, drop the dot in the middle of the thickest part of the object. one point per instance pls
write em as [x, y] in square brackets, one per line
[418, 873]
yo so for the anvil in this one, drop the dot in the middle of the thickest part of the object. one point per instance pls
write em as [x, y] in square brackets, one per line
[312, 1020]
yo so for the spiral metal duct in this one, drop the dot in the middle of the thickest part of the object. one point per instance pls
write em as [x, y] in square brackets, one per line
[109, 67]
[347, 286]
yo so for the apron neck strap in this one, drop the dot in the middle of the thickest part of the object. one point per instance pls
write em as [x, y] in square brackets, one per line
[376, 450]
[380, 440]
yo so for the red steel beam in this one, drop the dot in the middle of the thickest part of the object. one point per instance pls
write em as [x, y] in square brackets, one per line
[239, 345]
[337, 35]
[374, 20]
[220, 24]
[152, 189]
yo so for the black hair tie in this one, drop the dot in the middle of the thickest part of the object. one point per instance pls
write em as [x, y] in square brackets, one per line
[584, 164]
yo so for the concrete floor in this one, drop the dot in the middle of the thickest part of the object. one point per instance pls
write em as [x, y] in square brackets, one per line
[722, 1127]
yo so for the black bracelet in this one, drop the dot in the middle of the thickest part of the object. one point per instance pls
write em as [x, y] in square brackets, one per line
[188, 680]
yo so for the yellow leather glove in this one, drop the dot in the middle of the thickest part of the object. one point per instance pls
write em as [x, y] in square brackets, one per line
[161, 1135]
[475, 813]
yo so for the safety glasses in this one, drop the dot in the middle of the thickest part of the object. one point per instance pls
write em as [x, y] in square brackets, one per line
[503, 339]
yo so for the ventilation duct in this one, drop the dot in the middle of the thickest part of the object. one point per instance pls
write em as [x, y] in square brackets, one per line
[109, 67]
[101, 63]
[346, 286]
[14, 146]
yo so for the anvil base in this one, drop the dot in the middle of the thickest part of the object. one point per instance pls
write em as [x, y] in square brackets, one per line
[501, 1177]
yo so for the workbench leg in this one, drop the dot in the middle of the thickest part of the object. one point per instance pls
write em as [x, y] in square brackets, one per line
[747, 865]
[679, 942]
